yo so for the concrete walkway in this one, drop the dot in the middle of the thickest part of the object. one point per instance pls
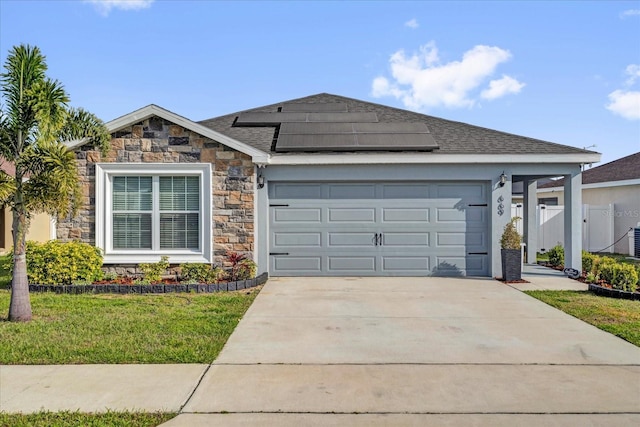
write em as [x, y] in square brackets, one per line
[371, 352]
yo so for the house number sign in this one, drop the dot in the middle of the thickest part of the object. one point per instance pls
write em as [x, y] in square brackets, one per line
[500, 206]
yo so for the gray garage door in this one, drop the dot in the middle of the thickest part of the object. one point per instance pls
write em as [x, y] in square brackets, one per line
[378, 229]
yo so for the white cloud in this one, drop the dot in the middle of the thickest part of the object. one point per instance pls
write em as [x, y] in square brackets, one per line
[633, 70]
[502, 87]
[105, 6]
[413, 23]
[630, 12]
[625, 104]
[421, 81]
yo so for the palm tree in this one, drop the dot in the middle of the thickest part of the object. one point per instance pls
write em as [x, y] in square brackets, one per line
[35, 120]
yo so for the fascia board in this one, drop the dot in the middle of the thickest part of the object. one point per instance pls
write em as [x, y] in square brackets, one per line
[144, 113]
[605, 184]
[611, 184]
[431, 158]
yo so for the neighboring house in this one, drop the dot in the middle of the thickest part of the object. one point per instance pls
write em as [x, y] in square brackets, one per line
[321, 185]
[41, 228]
[617, 183]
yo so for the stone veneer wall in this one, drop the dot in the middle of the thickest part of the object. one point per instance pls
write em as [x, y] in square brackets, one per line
[156, 140]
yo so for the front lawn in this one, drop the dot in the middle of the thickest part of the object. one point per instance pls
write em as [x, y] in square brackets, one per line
[83, 329]
[617, 316]
[72, 419]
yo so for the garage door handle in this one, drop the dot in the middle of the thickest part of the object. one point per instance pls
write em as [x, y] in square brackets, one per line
[278, 253]
[380, 239]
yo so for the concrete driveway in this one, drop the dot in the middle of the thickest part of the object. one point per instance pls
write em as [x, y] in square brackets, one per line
[418, 351]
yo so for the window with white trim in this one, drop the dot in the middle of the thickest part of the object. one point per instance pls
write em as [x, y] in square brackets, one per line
[144, 211]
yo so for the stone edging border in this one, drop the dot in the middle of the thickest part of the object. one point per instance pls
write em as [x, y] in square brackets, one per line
[151, 289]
[614, 293]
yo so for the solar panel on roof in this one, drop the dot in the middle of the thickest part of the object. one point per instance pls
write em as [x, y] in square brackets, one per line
[342, 117]
[331, 128]
[272, 119]
[396, 142]
[344, 136]
[334, 107]
[293, 143]
[315, 128]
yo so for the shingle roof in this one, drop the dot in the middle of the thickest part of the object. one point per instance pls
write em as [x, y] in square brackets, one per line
[452, 137]
[622, 169]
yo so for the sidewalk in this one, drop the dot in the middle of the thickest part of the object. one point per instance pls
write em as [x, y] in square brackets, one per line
[96, 388]
[542, 278]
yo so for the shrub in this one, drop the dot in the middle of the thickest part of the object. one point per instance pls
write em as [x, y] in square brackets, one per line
[511, 239]
[58, 263]
[246, 269]
[607, 269]
[591, 278]
[242, 268]
[201, 273]
[588, 260]
[556, 256]
[625, 277]
[152, 272]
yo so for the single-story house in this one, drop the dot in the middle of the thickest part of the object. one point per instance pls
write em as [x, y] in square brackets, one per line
[315, 186]
[616, 183]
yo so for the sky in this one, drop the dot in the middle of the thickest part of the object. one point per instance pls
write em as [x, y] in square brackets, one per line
[561, 71]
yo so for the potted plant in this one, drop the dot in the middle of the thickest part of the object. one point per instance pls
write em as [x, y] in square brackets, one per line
[511, 252]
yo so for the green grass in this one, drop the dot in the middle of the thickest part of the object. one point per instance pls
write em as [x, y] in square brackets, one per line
[69, 419]
[78, 329]
[617, 316]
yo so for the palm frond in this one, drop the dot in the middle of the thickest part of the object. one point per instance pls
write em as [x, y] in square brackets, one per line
[25, 66]
[53, 185]
[50, 108]
[5, 137]
[7, 188]
[82, 125]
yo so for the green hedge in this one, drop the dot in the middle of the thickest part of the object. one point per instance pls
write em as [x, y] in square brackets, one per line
[58, 263]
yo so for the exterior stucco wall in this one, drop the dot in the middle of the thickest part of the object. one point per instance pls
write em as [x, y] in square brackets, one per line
[626, 201]
[39, 230]
[156, 140]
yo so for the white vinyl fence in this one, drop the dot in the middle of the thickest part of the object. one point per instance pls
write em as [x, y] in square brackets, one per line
[597, 226]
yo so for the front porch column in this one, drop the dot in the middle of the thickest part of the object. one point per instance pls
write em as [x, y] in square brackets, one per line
[573, 220]
[500, 207]
[530, 220]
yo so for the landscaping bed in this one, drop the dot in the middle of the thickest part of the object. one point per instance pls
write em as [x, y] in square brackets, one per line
[608, 291]
[167, 286]
[611, 276]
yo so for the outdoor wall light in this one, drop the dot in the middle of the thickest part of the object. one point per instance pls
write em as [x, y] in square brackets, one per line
[503, 179]
[260, 181]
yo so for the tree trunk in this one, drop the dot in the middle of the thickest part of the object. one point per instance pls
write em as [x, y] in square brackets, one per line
[20, 305]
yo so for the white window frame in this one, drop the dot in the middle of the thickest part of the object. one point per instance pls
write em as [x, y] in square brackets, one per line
[104, 233]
